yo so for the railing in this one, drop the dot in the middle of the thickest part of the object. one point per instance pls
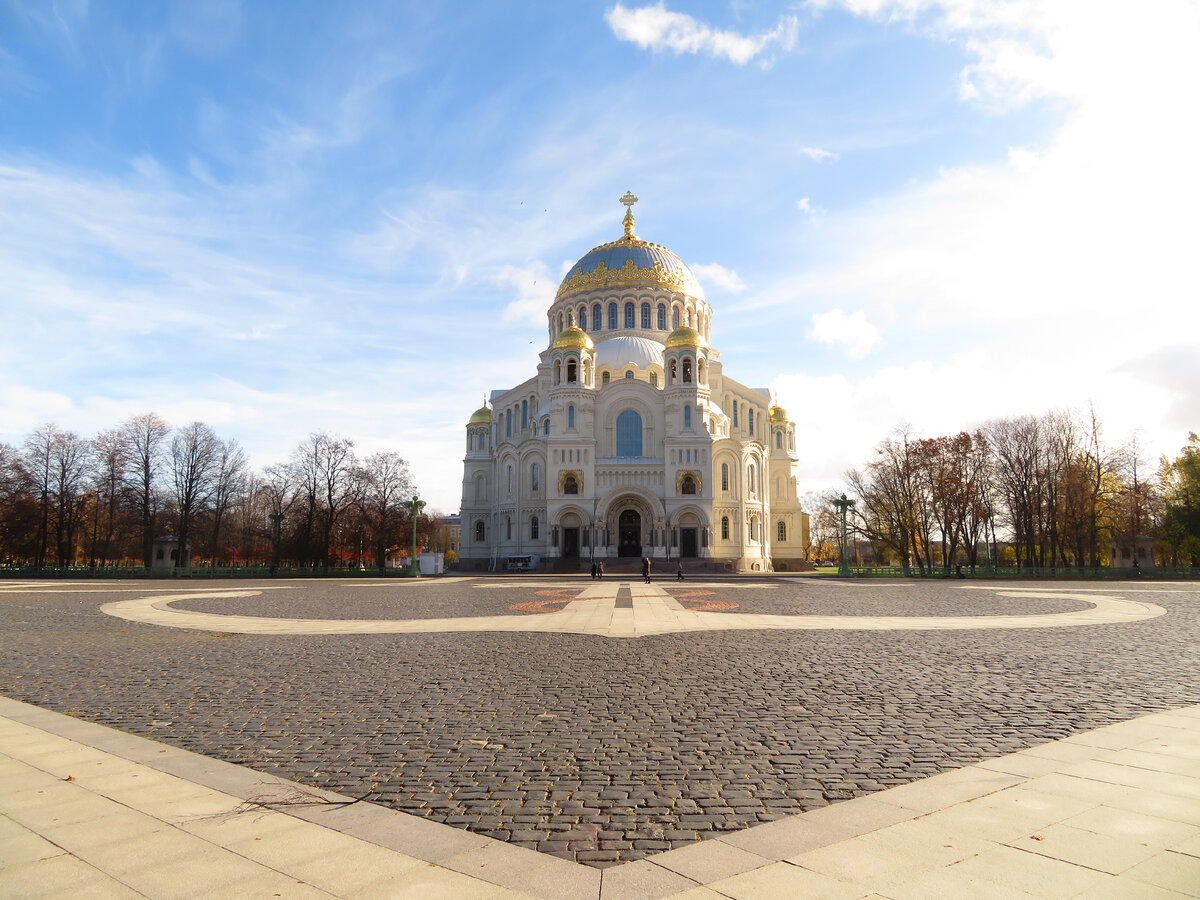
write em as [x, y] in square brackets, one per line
[214, 572]
[1065, 572]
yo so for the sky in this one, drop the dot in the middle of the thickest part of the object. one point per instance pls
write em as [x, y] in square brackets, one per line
[288, 217]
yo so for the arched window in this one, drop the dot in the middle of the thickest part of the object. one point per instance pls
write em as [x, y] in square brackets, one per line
[546, 428]
[646, 316]
[508, 423]
[572, 370]
[751, 479]
[570, 485]
[629, 434]
[724, 476]
[700, 371]
[688, 485]
[533, 528]
[510, 479]
[571, 416]
[653, 379]
[735, 414]
[557, 371]
[604, 378]
[689, 318]
[724, 528]
[750, 421]
[629, 315]
[612, 316]
[674, 369]
[753, 528]
[687, 370]
[629, 374]
[560, 322]
[674, 316]
[779, 440]
[583, 317]
[687, 417]
[781, 531]
[524, 413]
[662, 317]
[596, 317]
[480, 531]
[535, 477]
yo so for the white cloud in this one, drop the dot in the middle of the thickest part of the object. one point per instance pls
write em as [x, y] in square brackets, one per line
[658, 28]
[852, 331]
[715, 273]
[535, 289]
[816, 154]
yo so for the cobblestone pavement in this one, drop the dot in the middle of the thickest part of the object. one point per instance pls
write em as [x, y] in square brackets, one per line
[597, 749]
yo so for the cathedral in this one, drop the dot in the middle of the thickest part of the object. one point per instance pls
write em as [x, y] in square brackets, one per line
[630, 440]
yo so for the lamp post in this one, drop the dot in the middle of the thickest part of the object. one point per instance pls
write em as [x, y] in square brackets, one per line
[415, 505]
[843, 506]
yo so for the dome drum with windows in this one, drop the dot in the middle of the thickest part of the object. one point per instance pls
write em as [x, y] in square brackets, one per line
[630, 440]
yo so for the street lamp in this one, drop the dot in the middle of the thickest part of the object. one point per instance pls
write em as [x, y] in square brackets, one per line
[843, 506]
[415, 505]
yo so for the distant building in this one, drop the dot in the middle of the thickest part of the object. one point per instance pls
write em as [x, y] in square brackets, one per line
[630, 440]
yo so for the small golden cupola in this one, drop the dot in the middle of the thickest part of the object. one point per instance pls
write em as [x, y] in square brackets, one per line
[685, 337]
[778, 414]
[481, 416]
[573, 338]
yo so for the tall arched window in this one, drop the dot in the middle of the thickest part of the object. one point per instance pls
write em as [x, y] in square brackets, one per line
[524, 413]
[535, 477]
[646, 316]
[700, 371]
[480, 531]
[583, 317]
[508, 528]
[612, 316]
[653, 379]
[604, 378]
[724, 476]
[753, 528]
[546, 428]
[533, 528]
[629, 315]
[510, 479]
[750, 479]
[572, 373]
[724, 528]
[779, 440]
[750, 421]
[662, 317]
[557, 371]
[596, 316]
[689, 318]
[687, 417]
[629, 434]
[571, 416]
[735, 414]
[674, 371]
[687, 370]
[508, 423]
[674, 316]
[781, 531]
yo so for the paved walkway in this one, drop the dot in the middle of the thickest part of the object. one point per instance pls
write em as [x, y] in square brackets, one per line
[86, 811]
[625, 610]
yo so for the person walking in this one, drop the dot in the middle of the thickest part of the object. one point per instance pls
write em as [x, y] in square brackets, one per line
[600, 570]
[646, 569]
[593, 572]
[679, 572]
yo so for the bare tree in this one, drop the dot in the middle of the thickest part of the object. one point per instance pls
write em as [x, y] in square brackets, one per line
[325, 466]
[110, 455]
[145, 438]
[39, 463]
[195, 455]
[386, 481]
[229, 482]
[71, 462]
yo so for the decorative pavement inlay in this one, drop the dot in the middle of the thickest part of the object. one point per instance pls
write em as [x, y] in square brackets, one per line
[625, 610]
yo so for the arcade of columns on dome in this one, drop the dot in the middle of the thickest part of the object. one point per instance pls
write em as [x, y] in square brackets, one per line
[630, 440]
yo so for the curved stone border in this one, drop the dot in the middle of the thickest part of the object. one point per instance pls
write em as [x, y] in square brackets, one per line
[653, 612]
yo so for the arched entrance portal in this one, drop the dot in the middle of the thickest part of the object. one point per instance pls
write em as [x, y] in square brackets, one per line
[629, 533]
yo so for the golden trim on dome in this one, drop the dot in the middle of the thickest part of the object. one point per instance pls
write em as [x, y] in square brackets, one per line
[573, 338]
[630, 273]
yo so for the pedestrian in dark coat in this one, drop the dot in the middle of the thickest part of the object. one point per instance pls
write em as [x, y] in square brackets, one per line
[646, 569]
[679, 572]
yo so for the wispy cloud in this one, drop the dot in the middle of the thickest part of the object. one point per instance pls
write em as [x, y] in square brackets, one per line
[816, 154]
[658, 28]
[715, 273]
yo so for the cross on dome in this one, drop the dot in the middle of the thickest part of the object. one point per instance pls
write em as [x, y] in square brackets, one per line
[629, 200]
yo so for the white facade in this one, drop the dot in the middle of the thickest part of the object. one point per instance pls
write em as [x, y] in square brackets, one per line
[630, 440]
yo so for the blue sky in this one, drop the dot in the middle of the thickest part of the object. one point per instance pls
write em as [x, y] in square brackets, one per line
[287, 217]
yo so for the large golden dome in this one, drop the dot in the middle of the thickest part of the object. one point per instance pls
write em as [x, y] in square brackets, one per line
[572, 338]
[481, 416]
